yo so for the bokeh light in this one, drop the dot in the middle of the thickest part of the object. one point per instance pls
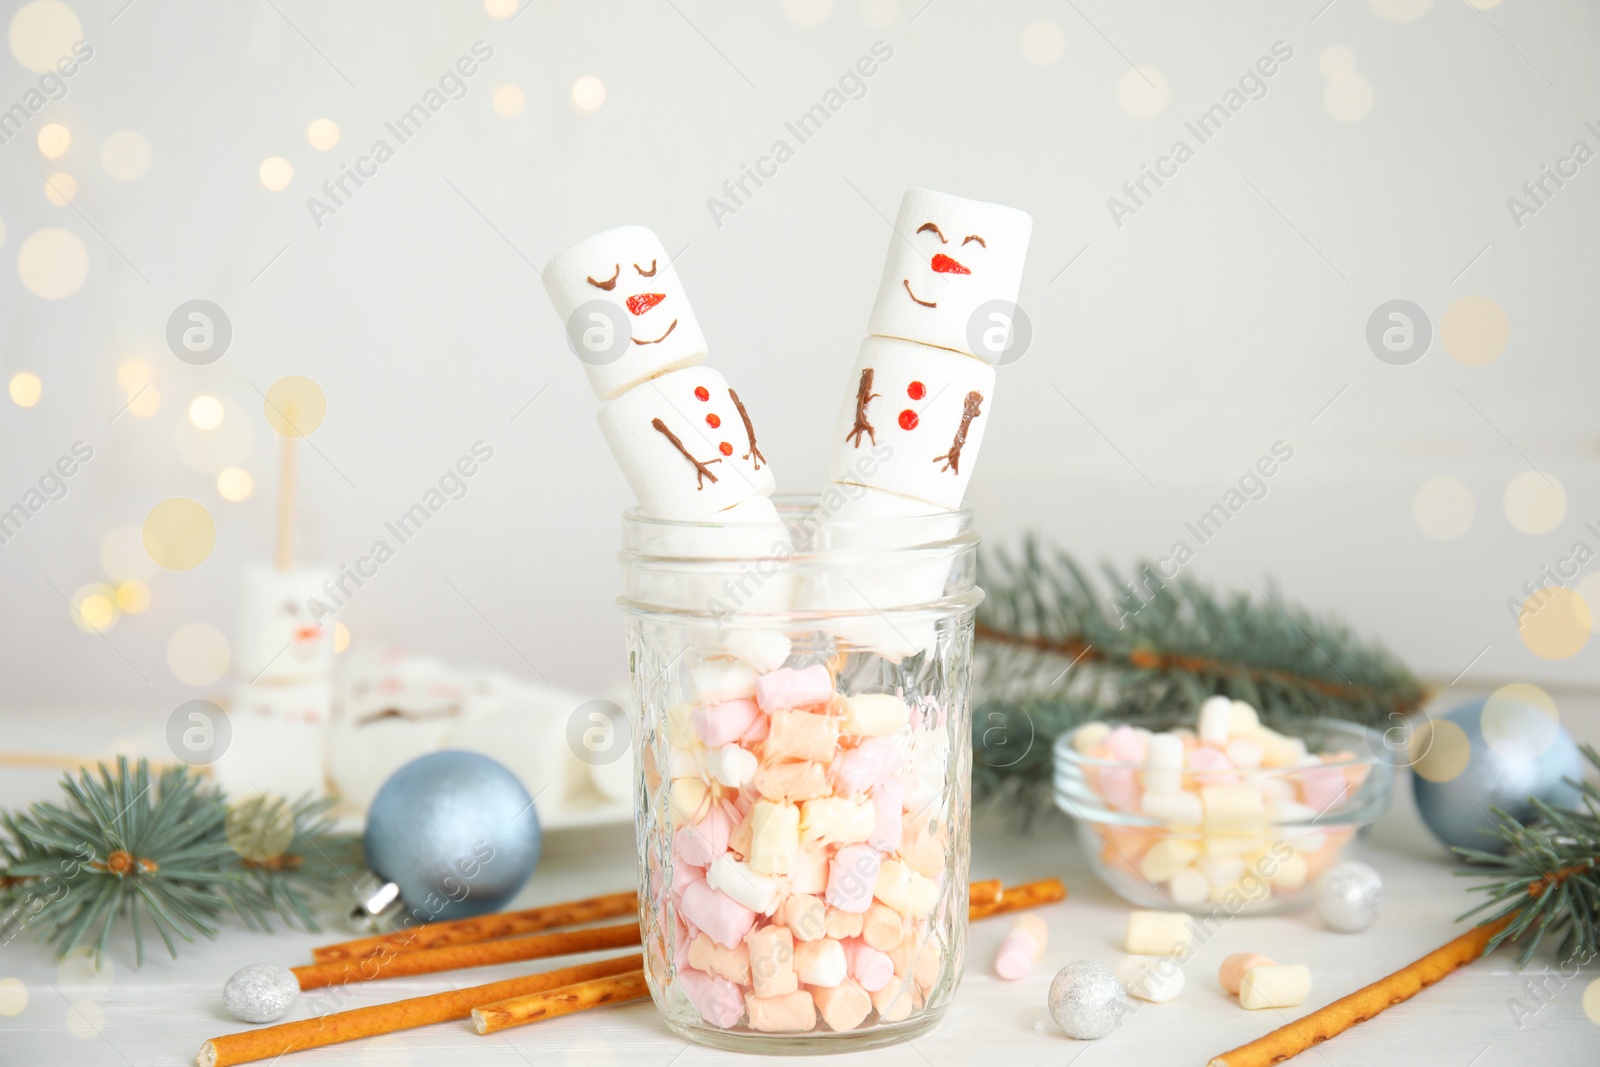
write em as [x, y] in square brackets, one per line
[1347, 98]
[205, 412]
[13, 996]
[1555, 622]
[500, 9]
[125, 156]
[1443, 508]
[133, 373]
[54, 139]
[509, 101]
[808, 13]
[145, 401]
[1143, 93]
[198, 653]
[1519, 721]
[122, 554]
[179, 533]
[94, 608]
[341, 637]
[60, 188]
[133, 597]
[87, 970]
[588, 93]
[52, 263]
[294, 406]
[879, 14]
[1439, 750]
[226, 443]
[1591, 1001]
[322, 134]
[1336, 61]
[85, 1020]
[26, 389]
[235, 484]
[1535, 502]
[1474, 330]
[1043, 42]
[42, 33]
[276, 173]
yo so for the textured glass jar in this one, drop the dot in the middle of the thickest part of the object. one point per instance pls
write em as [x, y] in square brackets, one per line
[801, 726]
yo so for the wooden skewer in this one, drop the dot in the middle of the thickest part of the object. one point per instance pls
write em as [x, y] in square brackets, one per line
[1018, 897]
[1334, 1019]
[286, 480]
[532, 1007]
[454, 957]
[483, 927]
[273, 1041]
[984, 892]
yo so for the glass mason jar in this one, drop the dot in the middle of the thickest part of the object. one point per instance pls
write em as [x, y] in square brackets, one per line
[803, 760]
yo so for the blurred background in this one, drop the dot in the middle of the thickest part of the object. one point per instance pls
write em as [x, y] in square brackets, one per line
[1376, 252]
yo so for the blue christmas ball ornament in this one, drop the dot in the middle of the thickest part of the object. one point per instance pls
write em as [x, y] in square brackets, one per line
[1493, 753]
[456, 832]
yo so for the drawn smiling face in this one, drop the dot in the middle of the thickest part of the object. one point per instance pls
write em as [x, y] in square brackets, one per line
[948, 258]
[629, 269]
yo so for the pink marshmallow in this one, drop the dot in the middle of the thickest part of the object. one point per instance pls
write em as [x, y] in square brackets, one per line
[683, 876]
[1120, 786]
[1322, 787]
[787, 688]
[1126, 744]
[859, 769]
[757, 733]
[704, 841]
[871, 969]
[724, 723]
[719, 916]
[1217, 768]
[852, 874]
[718, 1000]
[888, 798]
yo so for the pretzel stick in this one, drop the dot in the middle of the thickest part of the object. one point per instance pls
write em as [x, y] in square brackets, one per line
[1018, 897]
[483, 927]
[984, 892]
[1293, 1039]
[518, 1011]
[452, 957]
[331, 1029]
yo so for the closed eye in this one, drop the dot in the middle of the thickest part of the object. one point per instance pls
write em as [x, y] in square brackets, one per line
[975, 237]
[610, 283]
[926, 226]
[651, 273]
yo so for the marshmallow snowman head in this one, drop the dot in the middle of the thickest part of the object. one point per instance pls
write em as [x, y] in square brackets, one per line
[624, 309]
[950, 257]
[279, 639]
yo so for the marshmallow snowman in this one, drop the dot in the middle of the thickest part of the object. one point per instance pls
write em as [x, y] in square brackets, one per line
[279, 641]
[682, 436]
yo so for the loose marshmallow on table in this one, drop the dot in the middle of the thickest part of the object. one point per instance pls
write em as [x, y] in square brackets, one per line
[922, 421]
[1157, 980]
[629, 268]
[949, 257]
[1157, 933]
[1232, 971]
[1022, 946]
[1275, 986]
[684, 446]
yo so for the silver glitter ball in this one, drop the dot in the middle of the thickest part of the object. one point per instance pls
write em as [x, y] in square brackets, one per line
[1086, 1000]
[1349, 897]
[261, 993]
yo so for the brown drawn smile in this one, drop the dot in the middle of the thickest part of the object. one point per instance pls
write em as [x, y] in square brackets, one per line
[925, 303]
[658, 340]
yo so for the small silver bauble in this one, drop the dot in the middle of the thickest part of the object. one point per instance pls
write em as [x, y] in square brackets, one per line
[261, 993]
[1349, 896]
[1086, 1000]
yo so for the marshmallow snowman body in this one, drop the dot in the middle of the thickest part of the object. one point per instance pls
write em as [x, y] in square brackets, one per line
[914, 422]
[277, 740]
[627, 268]
[951, 260]
[686, 444]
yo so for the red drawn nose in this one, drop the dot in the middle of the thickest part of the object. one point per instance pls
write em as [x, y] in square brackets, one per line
[639, 303]
[943, 264]
[307, 633]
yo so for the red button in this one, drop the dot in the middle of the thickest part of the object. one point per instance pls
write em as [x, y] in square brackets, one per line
[908, 419]
[725, 448]
[916, 390]
[702, 393]
[713, 420]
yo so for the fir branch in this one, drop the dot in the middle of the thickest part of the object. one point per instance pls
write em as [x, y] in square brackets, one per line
[1549, 878]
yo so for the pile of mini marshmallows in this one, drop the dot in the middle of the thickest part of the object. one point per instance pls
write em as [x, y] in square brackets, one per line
[809, 849]
[1236, 835]
[1159, 942]
[908, 433]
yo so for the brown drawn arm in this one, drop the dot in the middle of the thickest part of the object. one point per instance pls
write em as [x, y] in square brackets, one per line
[749, 431]
[969, 411]
[701, 470]
[864, 395]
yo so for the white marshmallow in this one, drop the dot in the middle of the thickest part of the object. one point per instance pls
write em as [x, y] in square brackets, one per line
[745, 885]
[974, 256]
[913, 435]
[717, 680]
[1167, 857]
[1275, 987]
[279, 640]
[1215, 721]
[1164, 765]
[873, 715]
[730, 765]
[730, 563]
[277, 740]
[764, 650]
[1157, 980]
[663, 336]
[1189, 888]
[1177, 809]
[662, 471]
[774, 837]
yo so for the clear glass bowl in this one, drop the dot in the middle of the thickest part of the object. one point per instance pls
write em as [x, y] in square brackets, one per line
[878, 609]
[1222, 849]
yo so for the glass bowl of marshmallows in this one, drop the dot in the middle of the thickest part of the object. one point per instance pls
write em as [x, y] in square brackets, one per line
[1219, 811]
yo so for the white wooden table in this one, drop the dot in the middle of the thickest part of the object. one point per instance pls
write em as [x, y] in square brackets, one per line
[161, 1013]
